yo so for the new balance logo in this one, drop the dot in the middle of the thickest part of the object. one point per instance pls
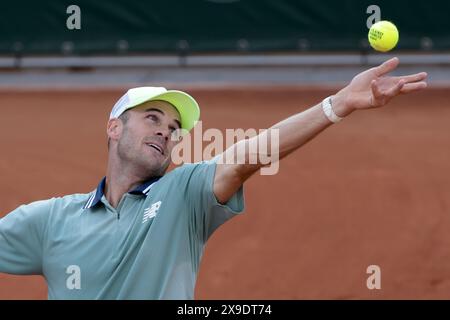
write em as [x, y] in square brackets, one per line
[151, 212]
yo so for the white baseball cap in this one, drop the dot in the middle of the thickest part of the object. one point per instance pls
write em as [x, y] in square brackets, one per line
[184, 103]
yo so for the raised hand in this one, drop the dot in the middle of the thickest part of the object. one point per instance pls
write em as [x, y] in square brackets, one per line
[373, 88]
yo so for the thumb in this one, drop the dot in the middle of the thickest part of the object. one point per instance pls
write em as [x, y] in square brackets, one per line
[387, 66]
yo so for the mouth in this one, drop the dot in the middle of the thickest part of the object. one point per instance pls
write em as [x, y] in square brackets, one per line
[156, 147]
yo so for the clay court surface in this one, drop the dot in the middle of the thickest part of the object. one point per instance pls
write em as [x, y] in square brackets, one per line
[371, 190]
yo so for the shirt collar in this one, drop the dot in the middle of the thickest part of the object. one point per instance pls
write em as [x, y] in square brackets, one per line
[96, 196]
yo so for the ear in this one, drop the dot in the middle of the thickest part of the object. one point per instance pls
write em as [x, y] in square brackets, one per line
[114, 129]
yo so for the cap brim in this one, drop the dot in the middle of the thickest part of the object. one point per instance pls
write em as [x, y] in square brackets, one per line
[186, 106]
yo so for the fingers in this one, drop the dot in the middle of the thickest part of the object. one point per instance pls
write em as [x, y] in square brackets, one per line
[377, 95]
[392, 92]
[414, 77]
[381, 98]
[410, 87]
[387, 66]
[375, 90]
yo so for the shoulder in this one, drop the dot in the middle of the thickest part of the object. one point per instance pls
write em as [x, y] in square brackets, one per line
[189, 172]
[55, 205]
[189, 168]
[77, 199]
[192, 177]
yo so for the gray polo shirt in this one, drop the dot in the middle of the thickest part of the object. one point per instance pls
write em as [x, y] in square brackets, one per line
[149, 247]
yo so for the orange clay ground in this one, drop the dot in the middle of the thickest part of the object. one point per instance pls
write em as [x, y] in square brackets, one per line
[373, 189]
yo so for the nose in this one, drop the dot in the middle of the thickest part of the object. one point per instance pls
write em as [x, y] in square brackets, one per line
[163, 133]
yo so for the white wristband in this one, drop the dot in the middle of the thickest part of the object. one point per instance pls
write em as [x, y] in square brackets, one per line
[329, 112]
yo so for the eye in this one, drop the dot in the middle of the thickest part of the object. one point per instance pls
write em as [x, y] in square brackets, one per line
[152, 117]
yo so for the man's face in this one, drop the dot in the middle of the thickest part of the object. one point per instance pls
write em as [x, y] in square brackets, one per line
[145, 140]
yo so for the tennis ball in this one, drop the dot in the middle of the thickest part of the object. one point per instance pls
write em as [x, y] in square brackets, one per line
[383, 36]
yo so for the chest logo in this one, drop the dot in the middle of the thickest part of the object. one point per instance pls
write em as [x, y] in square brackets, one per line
[151, 211]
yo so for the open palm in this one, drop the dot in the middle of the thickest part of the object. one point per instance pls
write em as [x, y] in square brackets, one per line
[374, 88]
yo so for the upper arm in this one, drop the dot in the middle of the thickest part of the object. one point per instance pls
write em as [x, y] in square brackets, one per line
[22, 234]
[204, 210]
[226, 182]
[231, 173]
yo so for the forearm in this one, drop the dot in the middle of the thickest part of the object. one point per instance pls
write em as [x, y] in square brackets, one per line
[300, 128]
[249, 155]
[285, 136]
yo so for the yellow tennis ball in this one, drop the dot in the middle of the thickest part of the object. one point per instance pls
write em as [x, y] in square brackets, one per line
[383, 36]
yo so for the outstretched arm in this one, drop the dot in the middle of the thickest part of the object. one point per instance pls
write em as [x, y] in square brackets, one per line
[372, 88]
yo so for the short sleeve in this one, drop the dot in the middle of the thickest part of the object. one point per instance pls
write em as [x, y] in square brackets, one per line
[207, 213]
[22, 234]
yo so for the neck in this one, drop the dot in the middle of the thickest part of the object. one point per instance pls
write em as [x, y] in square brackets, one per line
[120, 179]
